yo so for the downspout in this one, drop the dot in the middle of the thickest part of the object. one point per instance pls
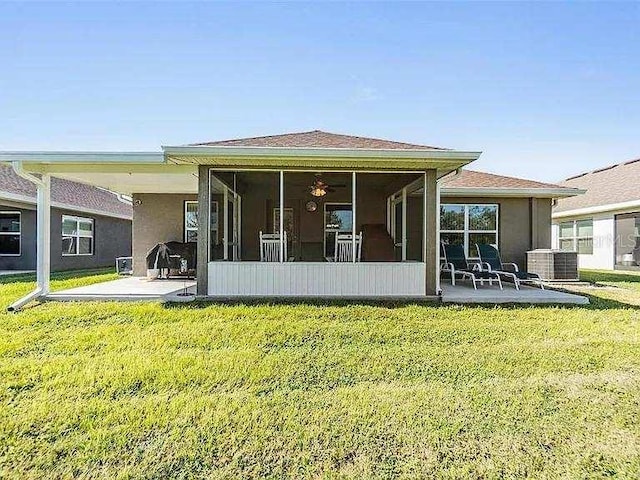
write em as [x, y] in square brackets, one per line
[43, 227]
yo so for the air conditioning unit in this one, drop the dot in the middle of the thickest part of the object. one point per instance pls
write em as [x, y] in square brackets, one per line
[553, 264]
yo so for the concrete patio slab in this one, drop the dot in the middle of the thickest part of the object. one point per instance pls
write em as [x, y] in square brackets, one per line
[140, 288]
[128, 289]
[464, 293]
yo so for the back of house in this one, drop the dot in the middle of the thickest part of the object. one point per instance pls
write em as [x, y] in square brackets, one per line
[346, 216]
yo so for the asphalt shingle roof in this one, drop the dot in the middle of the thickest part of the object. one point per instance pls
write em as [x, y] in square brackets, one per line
[474, 179]
[604, 186]
[316, 139]
[67, 192]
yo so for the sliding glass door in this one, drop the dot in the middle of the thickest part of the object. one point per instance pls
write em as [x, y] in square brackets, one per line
[338, 218]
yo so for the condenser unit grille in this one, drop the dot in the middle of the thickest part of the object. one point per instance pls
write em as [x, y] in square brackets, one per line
[553, 264]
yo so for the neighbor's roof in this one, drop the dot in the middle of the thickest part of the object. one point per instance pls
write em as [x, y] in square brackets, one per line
[615, 184]
[64, 194]
[474, 179]
[471, 182]
[316, 139]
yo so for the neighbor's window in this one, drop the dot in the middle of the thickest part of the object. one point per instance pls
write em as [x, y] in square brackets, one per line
[468, 225]
[10, 233]
[77, 235]
[577, 236]
[191, 221]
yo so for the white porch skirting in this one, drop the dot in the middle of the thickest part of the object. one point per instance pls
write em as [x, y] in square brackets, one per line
[300, 279]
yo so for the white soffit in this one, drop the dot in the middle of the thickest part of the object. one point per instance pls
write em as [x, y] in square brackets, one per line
[161, 182]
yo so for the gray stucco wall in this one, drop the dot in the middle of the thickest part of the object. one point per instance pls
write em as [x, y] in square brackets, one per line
[112, 238]
[157, 217]
[516, 232]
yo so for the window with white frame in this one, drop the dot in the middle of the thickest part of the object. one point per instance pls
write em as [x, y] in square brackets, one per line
[468, 225]
[191, 221]
[77, 235]
[10, 233]
[577, 236]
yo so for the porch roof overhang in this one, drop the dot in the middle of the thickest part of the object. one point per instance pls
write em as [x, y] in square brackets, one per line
[321, 158]
[175, 169]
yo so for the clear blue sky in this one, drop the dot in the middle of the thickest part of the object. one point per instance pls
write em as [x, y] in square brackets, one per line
[544, 90]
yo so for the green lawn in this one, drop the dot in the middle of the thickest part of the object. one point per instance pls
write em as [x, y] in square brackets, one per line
[145, 390]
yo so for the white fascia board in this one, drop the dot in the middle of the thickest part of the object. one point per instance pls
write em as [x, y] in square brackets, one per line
[623, 206]
[221, 151]
[510, 192]
[25, 199]
[82, 157]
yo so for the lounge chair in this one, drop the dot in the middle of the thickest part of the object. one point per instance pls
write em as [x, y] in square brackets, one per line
[455, 262]
[491, 261]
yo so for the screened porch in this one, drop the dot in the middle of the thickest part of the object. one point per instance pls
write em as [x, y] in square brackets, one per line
[309, 233]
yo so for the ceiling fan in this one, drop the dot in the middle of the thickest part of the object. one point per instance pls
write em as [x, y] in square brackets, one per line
[319, 188]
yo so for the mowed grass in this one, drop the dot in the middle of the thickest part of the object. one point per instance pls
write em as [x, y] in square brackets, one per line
[144, 390]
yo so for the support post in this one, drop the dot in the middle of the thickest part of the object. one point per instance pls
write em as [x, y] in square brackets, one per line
[431, 237]
[204, 229]
[404, 224]
[43, 262]
[281, 228]
[225, 227]
[353, 217]
[438, 191]
[425, 227]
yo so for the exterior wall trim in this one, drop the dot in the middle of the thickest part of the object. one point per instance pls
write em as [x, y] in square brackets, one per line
[612, 207]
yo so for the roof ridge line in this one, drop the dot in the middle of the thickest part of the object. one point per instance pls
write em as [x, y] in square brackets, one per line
[601, 169]
[409, 145]
[251, 138]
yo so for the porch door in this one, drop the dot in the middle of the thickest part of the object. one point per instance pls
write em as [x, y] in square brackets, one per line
[290, 225]
[397, 231]
[225, 217]
[233, 226]
[399, 228]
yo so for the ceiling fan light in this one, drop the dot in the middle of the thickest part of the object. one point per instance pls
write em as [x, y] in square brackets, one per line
[318, 192]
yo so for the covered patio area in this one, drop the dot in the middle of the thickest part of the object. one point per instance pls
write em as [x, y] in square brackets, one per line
[128, 289]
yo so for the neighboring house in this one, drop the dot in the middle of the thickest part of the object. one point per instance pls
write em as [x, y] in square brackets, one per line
[314, 189]
[90, 226]
[603, 225]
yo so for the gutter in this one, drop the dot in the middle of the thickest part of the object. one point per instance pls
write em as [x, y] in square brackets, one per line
[43, 227]
[24, 199]
[512, 192]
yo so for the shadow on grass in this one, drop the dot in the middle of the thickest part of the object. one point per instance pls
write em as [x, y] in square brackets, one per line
[595, 303]
[595, 276]
[63, 275]
[311, 302]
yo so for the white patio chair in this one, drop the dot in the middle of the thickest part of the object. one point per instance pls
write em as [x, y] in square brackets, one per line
[270, 247]
[344, 247]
